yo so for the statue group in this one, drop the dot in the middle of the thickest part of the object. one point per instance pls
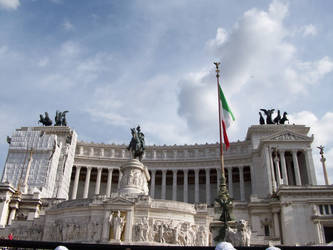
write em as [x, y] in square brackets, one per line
[59, 120]
[269, 120]
[137, 143]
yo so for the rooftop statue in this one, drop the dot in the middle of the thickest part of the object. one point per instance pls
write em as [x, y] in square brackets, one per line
[284, 118]
[261, 119]
[46, 121]
[277, 119]
[60, 118]
[269, 120]
[137, 143]
[268, 113]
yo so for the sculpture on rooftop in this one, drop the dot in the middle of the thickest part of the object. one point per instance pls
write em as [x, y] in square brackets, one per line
[60, 118]
[269, 120]
[284, 118]
[261, 119]
[137, 143]
[268, 113]
[277, 119]
[46, 121]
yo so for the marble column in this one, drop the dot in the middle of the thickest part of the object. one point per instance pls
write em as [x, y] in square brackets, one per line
[283, 167]
[269, 177]
[208, 186]
[218, 179]
[309, 166]
[253, 186]
[109, 183]
[276, 225]
[86, 183]
[76, 182]
[241, 183]
[163, 184]
[277, 170]
[196, 187]
[98, 181]
[11, 216]
[296, 168]
[119, 179]
[152, 184]
[174, 184]
[231, 193]
[272, 171]
[185, 185]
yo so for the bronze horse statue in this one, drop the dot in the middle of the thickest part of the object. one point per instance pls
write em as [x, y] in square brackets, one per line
[136, 145]
[46, 121]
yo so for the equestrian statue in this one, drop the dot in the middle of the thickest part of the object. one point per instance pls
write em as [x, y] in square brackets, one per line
[137, 143]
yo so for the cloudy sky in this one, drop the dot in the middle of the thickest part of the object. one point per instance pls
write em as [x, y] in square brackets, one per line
[116, 64]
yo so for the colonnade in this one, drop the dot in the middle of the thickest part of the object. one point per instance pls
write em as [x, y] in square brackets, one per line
[291, 171]
[209, 184]
[185, 183]
[87, 182]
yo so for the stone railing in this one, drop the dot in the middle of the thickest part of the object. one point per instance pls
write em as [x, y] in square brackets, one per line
[160, 153]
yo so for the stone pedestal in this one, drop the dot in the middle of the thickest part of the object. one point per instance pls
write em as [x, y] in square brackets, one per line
[135, 177]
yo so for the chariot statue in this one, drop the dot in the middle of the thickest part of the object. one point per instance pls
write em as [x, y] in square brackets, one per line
[60, 118]
[46, 121]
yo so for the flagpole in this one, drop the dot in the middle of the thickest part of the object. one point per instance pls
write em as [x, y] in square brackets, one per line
[217, 64]
[223, 196]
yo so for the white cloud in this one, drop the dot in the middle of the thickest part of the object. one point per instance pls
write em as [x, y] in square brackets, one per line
[301, 73]
[69, 49]
[221, 37]
[68, 26]
[152, 103]
[43, 62]
[258, 62]
[309, 30]
[9, 4]
[321, 128]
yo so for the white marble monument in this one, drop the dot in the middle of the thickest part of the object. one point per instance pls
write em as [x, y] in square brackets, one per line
[59, 189]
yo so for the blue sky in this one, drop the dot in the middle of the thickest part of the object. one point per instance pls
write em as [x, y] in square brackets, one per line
[116, 64]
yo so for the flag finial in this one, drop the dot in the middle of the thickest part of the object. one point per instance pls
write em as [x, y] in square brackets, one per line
[217, 64]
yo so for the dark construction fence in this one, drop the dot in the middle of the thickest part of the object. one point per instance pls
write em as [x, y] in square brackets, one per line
[23, 244]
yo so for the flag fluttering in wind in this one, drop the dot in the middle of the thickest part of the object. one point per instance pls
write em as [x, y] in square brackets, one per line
[226, 116]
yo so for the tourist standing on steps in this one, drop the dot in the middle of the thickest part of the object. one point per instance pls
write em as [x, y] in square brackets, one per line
[10, 236]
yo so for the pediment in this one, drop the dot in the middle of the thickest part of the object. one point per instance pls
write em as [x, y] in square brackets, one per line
[288, 135]
[120, 200]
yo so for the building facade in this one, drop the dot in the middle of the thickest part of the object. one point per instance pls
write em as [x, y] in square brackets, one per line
[270, 176]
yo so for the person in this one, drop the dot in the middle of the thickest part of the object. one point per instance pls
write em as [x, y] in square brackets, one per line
[61, 248]
[224, 246]
[10, 236]
[273, 248]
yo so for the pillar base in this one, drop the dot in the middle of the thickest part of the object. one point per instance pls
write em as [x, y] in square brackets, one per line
[135, 178]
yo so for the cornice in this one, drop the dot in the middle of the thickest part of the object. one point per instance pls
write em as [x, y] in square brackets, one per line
[273, 128]
[308, 190]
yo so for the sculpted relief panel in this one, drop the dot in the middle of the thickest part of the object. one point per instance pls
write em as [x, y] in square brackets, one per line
[170, 232]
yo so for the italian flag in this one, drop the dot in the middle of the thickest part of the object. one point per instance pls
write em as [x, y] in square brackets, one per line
[226, 116]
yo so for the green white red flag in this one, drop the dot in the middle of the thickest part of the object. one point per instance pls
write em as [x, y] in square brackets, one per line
[226, 116]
